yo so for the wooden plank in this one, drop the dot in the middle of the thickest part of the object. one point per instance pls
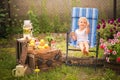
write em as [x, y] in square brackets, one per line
[22, 48]
[75, 49]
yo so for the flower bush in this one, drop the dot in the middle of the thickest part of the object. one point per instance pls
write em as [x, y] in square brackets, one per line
[108, 28]
[111, 47]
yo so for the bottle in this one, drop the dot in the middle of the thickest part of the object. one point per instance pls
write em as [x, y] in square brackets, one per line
[27, 29]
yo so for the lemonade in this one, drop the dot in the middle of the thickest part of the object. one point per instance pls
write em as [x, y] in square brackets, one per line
[27, 29]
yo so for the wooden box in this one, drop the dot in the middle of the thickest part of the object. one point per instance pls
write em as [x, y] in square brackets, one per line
[45, 61]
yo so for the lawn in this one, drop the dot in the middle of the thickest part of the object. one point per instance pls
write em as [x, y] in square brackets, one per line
[63, 72]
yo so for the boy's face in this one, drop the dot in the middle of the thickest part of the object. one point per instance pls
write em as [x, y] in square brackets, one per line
[82, 22]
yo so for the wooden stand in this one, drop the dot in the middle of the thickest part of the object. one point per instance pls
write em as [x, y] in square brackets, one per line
[46, 60]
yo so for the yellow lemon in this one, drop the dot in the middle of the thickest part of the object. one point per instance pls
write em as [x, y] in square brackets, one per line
[32, 44]
[42, 47]
[32, 41]
[39, 47]
[46, 46]
[42, 42]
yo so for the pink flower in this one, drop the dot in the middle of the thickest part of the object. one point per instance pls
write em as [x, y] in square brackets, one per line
[103, 25]
[98, 26]
[118, 34]
[102, 46]
[112, 42]
[118, 59]
[103, 21]
[115, 36]
[115, 24]
[109, 40]
[118, 20]
[111, 30]
[101, 40]
[105, 48]
[110, 50]
[107, 59]
[111, 47]
[106, 51]
[111, 21]
[114, 52]
[116, 40]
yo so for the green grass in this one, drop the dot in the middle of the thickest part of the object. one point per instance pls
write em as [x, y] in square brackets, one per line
[7, 63]
[67, 73]
[63, 72]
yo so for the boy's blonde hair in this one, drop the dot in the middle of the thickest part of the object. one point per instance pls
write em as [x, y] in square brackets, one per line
[84, 19]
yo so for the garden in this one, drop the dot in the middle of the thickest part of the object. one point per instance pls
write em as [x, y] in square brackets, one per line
[47, 30]
[62, 72]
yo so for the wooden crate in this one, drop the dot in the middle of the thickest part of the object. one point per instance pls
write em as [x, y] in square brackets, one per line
[21, 51]
[45, 60]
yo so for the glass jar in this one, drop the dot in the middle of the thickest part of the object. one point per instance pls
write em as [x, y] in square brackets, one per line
[27, 29]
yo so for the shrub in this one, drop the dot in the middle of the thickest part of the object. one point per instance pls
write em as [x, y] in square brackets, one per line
[111, 47]
[108, 28]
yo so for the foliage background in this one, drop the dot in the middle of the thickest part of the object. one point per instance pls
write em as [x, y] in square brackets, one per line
[49, 15]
